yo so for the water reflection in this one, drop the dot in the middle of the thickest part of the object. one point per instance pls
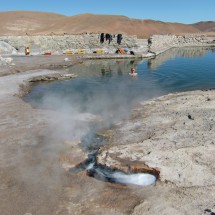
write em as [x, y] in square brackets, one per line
[213, 49]
[106, 68]
[187, 52]
[104, 86]
[106, 73]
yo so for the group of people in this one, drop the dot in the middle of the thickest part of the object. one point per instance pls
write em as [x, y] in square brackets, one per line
[109, 38]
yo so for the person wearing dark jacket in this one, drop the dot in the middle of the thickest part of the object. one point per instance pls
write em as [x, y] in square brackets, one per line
[119, 38]
[102, 37]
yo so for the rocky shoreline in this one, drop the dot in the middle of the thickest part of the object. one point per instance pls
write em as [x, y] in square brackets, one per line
[90, 43]
[173, 133]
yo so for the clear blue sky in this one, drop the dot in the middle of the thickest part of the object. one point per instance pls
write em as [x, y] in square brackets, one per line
[184, 11]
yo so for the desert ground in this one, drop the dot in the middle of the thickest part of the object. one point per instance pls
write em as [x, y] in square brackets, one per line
[173, 133]
[34, 160]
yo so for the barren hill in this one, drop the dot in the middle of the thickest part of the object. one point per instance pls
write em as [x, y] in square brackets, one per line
[38, 23]
[20, 22]
[205, 26]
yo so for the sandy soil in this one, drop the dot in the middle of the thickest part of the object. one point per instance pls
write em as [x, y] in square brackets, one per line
[173, 133]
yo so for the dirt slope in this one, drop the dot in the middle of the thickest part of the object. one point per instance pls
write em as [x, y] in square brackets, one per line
[37, 23]
[205, 26]
[20, 22]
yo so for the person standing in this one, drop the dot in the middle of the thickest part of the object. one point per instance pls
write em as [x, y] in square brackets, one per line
[102, 38]
[27, 50]
[119, 38]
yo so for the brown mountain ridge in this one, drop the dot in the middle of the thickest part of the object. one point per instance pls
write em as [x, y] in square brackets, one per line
[43, 23]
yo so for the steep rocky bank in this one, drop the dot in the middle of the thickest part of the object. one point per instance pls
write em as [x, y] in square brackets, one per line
[89, 43]
[161, 43]
[59, 44]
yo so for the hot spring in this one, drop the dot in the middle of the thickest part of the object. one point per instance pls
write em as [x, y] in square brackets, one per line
[104, 93]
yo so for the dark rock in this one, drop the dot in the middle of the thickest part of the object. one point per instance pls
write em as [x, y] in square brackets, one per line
[190, 117]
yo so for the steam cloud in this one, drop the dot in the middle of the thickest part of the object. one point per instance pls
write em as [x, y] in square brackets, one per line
[142, 179]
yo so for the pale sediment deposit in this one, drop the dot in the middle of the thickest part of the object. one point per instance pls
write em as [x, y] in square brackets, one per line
[29, 176]
[175, 134]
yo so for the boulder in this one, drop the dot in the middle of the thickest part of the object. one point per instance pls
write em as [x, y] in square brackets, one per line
[7, 49]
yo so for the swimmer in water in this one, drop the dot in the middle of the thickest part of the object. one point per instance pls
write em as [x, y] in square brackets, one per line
[133, 72]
